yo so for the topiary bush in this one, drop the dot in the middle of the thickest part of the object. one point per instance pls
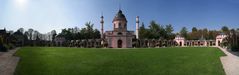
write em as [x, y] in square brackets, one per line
[3, 48]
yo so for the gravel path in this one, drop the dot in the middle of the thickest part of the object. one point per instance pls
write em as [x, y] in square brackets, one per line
[230, 62]
[8, 62]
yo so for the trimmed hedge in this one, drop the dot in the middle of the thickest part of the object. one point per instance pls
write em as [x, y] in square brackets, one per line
[3, 48]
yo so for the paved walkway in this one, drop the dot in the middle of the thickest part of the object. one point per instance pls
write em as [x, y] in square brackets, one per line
[230, 62]
[8, 62]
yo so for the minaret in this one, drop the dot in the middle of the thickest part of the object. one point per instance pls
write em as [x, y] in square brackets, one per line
[102, 26]
[137, 27]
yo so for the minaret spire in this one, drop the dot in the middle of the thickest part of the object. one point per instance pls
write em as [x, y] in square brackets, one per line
[137, 27]
[102, 25]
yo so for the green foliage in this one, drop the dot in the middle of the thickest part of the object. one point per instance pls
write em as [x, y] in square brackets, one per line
[196, 34]
[194, 29]
[85, 33]
[184, 32]
[53, 33]
[156, 31]
[225, 30]
[3, 47]
[1, 40]
[169, 32]
[142, 32]
[148, 61]
[233, 40]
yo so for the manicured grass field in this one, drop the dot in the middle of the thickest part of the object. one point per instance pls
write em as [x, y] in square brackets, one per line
[158, 61]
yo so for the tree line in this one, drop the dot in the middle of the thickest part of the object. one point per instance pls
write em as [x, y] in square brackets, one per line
[158, 31]
[31, 37]
[87, 32]
[165, 32]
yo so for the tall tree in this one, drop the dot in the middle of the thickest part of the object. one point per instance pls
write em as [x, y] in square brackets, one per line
[53, 34]
[194, 29]
[96, 34]
[142, 32]
[225, 29]
[35, 35]
[205, 33]
[194, 35]
[30, 32]
[21, 30]
[18, 37]
[169, 31]
[184, 32]
[90, 30]
[154, 30]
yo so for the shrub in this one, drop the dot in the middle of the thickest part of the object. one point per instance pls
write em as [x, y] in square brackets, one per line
[11, 46]
[234, 47]
[3, 48]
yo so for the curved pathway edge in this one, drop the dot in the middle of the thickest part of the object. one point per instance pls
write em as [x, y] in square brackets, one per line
[230, 62]
[8, 62]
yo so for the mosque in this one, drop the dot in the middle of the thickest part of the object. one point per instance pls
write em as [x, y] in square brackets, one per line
[119, 37]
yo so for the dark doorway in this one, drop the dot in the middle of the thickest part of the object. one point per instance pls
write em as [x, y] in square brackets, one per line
[219, 43]
[180, 44]
[119, 43]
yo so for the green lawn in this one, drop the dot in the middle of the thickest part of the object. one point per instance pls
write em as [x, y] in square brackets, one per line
[158, 61]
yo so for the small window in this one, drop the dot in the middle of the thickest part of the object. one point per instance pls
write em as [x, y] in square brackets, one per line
[119, 33]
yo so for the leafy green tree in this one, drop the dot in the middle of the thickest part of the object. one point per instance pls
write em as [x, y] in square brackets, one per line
[30, 32]
[169, 31]
[84, 33]
[53, 33]
[194, 35]
[225, 30]
[96, 34]
[154, 30]
[143, 32]
[21, 30]
[89, 30]
[194, 29]
[205, 33]
[233, 40]
[184, 32]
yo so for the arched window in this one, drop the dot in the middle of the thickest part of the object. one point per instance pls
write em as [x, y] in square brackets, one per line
[120, 25]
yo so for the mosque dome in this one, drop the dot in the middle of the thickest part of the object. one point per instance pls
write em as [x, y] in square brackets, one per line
[120, 16]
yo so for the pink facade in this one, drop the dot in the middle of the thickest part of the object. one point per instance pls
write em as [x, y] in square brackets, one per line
[120, 37]
[182, 42]
[219, 39]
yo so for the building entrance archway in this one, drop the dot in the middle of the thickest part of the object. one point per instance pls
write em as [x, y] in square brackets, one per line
[120, 43]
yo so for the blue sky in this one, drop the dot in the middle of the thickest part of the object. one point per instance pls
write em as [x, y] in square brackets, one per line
[46, 15]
